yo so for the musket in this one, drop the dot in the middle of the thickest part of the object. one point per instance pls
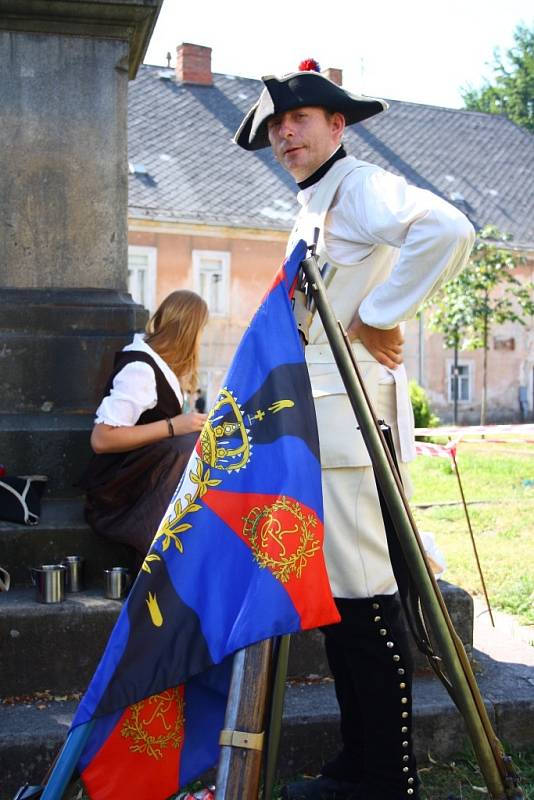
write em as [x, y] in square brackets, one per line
[243, 738]
[252, 725]
[453, 666]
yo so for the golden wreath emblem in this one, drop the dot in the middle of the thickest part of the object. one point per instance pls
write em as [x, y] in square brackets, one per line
[173, 523]
[155, 724]
[281, 537]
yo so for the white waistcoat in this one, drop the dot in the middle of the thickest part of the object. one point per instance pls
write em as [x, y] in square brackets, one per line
[341, 443]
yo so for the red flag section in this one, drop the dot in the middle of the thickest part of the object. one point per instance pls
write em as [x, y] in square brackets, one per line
[285, 537]
[144, 749]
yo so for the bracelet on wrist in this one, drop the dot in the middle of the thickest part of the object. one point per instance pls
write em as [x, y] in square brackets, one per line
[170, 427]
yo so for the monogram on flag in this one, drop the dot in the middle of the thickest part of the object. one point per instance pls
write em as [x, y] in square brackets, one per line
[236, 559]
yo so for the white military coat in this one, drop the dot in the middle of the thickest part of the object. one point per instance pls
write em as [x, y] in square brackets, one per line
[392, 246]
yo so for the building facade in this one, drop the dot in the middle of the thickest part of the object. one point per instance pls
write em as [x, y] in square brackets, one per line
[207, 216]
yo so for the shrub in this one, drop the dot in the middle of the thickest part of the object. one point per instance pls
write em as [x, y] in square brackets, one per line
[424, 418]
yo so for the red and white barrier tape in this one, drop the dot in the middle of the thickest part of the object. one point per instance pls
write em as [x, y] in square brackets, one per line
[525, 431]
[443, 450]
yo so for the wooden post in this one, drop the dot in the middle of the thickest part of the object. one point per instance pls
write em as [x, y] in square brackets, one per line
[472, 535]
[242, 740]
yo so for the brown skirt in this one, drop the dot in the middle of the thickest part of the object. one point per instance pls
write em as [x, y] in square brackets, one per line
[127, 497]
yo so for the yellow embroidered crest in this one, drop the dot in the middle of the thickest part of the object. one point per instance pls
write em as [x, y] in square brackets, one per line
[224, 439]
[226, 444]
[172, 525]
[155, 724]
[281, 537]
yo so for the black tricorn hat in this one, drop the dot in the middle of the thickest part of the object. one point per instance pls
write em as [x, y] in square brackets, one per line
[296, 90]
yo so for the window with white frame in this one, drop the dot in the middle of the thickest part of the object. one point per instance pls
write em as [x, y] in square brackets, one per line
[211, 277]
[465, 381]
[142, 271]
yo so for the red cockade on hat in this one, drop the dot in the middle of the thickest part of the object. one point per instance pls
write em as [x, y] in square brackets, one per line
[309, 65]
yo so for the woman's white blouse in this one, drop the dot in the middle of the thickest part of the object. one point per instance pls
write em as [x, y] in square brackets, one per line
[134, 388]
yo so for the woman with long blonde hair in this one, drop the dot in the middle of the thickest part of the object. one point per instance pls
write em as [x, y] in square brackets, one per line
[141, 439]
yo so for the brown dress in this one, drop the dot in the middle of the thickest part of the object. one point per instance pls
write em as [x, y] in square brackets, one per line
[127, 494]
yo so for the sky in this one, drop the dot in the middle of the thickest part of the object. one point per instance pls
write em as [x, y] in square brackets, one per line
[416, 50]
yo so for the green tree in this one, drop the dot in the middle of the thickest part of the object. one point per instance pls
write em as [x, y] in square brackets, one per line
[486, 293]
[422, 413]
[512, 90]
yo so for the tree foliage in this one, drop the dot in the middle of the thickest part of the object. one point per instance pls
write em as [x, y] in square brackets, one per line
[486, 293]
[423, 416]
[512, 91]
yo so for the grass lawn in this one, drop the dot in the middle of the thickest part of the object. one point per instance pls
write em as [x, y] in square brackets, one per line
[498, 484]
[459, 778]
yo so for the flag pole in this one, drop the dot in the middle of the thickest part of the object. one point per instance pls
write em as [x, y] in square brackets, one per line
[497, 770]
[67, 760]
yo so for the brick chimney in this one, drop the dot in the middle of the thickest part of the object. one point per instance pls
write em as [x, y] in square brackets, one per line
[193, 64]
[335, 75]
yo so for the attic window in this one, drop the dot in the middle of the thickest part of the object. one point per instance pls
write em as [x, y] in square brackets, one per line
[136, 168]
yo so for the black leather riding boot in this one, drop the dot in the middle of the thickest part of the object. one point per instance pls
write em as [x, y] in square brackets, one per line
[370, 660]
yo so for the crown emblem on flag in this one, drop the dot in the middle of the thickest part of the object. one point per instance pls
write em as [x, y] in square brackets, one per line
[225, 441]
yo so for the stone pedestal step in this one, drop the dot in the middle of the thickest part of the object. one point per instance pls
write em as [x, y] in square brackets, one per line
[307, 651]
[55, 646]
[30, 737]
[55, 445]
[58, 646]
[62, 531]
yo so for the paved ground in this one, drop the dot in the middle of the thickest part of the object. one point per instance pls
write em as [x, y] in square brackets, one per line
[507, 641]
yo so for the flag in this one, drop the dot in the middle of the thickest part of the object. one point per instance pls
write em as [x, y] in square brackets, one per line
[236, 559]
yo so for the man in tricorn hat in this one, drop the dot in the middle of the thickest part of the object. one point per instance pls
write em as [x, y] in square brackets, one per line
[390, 246]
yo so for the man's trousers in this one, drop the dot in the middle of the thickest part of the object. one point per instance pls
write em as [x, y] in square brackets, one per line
[370, 660]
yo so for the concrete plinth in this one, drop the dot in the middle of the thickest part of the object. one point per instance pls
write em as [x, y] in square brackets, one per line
[56, 353]
[64, 310]
[64, 161]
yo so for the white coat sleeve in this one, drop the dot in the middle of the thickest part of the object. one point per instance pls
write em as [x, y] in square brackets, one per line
[133, 392]
[434, 238]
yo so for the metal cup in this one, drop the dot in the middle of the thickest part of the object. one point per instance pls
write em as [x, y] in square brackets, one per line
[49, 580]
[74, 573]
[118, 580]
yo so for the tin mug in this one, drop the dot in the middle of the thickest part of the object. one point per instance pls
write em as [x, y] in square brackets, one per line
[74, 573]
[49, 580]
[118, 580]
